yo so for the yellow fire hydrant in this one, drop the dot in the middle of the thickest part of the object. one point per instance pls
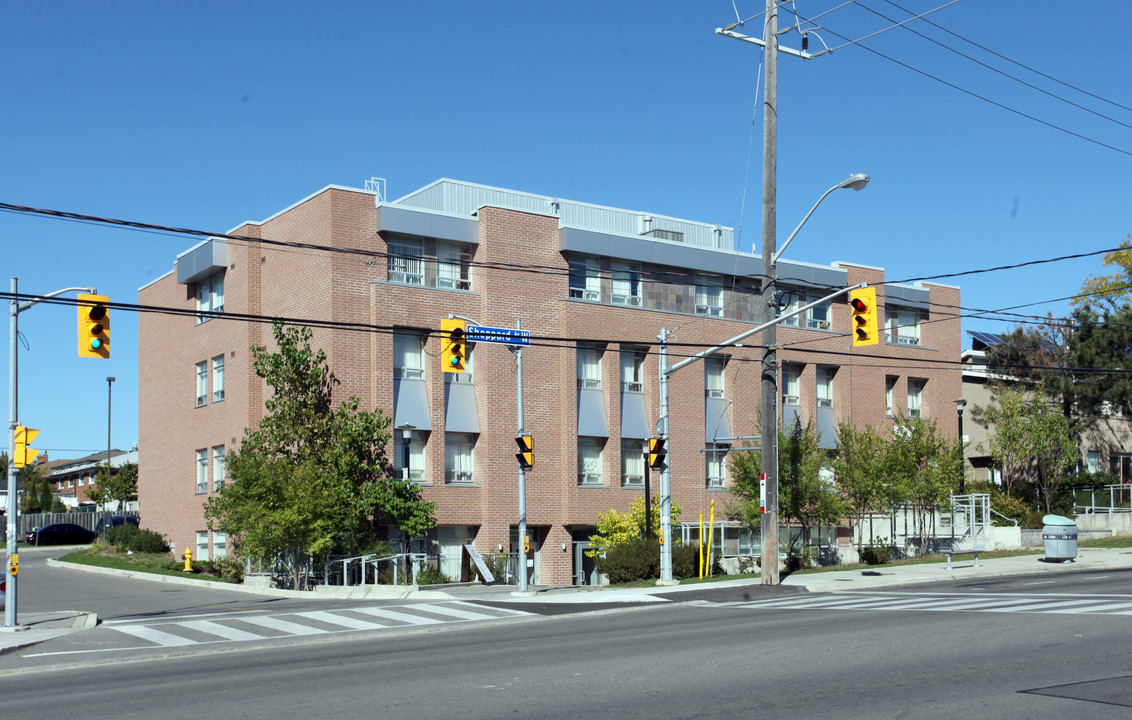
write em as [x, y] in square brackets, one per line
[188, 560]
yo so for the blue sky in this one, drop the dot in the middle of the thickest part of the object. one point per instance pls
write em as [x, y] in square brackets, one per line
[207, 114]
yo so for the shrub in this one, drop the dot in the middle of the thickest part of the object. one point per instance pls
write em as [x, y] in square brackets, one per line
[229, 569]
[686, 562]
[131, 538]
[877, 552]
[638, 560]
[428, 575]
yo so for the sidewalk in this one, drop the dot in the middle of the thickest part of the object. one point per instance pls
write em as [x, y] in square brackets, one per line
[38, 627]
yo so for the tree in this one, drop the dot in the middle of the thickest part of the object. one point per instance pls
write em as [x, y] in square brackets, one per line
[312, 478]
[615, 529]
[110, 485]
[859, 470]
[1112, 290]
[923, 469]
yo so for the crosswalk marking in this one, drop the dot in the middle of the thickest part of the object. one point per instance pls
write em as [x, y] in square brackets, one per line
[240, 627]
[942, 603]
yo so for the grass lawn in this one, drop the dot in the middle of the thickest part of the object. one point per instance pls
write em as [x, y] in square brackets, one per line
[154, 563]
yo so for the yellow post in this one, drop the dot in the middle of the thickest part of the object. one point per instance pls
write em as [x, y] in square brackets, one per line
[188, 560]
[711, 536]
[701, 553]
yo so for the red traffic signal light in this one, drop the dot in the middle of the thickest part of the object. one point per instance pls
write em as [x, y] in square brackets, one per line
[863, 304]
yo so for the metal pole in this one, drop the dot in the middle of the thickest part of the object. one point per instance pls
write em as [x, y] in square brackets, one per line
[648, 500]
[522, 472]
[109, 396]
[665, 469]
[963, 458]
[13, 407]
[769, 525]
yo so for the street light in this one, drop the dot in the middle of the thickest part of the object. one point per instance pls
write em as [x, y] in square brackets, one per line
[959, 405]
[406, 442]
[768, 530]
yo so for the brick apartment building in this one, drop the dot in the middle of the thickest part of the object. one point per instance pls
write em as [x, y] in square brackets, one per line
[593, 285]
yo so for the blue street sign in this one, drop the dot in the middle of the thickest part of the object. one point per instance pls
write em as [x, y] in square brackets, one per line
[504, 336]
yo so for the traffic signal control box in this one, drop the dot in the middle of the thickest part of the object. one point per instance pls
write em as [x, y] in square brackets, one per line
[94, 326]
[863, 304]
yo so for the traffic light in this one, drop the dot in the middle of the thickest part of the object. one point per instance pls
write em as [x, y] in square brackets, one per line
[452, 341]
[656, 452]
[94, 326]
[25, 455]
[863, 303]
[526, 454]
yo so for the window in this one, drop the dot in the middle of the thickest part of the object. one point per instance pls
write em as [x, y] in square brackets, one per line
[825, 386]
[458, 457]
[202, 471]
[626, 284]
[791, 384]
[210, 296]
[406, 261]
[453, 266]
[202, 546]
[904, 326]
[709, 295]
[915, 397]
[218, 378]
[713, 377]
[202, 384]
[816, 318]
[714, 456]
[589, 460]
[218, 476]
[219, 545]
[416, 456]
[585, 282]
[1094, 463]
[589, 368]
[632, 463]
[632, 370]
[889, 387]
[407, 356]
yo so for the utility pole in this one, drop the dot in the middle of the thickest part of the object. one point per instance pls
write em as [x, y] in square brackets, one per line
[518, 350]
[769, 526]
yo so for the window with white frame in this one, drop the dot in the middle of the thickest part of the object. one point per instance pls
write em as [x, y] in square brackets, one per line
[915, 397]
[585, 278]
[459, 459]
[714, 368]
[408, 356]
[904, 326]
[218, 378]
[632, 463]
[589, 460]
[715, 455]
[218, 474]
[406, 261]
[202, 383]
[709, 295]
[816, 318]
[202, 546]
[219, 545]
[202, 471]
[626, 283]
[210, 296]
[889, 391]
[791, 384]
[632, 370]
[825, 385]
[417, 441]
[589, 368]
[453, 266]
[1094, 461]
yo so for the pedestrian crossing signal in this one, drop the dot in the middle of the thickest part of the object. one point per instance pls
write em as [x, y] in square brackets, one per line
[526, 454]
[656, 452]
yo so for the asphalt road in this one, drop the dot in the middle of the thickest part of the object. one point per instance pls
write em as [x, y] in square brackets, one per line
[730, 658]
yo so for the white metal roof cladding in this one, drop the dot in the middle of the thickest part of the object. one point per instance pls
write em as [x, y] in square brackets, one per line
[461, 198]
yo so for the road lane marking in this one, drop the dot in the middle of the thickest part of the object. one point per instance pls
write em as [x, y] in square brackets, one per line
[155, 636]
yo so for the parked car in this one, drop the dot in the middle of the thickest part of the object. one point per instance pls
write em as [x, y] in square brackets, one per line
[60, 534]
[110, 521]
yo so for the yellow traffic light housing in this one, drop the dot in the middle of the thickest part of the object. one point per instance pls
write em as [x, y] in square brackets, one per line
[94, 326]
[453, 353]
[657, 452]
[863, 303]
[25, 455]
[526, 454]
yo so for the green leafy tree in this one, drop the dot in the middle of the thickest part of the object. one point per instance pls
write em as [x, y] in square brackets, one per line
[618, 529]
[859, 470]
[111, 485]
[1113, 290]
[45, 496]
[312, 478]
[923, 468]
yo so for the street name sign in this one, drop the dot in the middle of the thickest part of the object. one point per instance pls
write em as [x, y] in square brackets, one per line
[503, 336]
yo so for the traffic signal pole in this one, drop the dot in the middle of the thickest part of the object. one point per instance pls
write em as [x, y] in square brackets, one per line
[518, 350]
[15, 307]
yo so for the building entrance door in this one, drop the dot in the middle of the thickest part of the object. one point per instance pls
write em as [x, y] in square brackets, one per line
[585, 570]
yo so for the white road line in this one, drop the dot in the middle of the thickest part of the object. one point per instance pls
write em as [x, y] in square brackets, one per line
[155, 636]
[291, 628]
[492, 608]
[399, 616]
[454, 612]
[342, 620]
[222, 631]
[1102, 609]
